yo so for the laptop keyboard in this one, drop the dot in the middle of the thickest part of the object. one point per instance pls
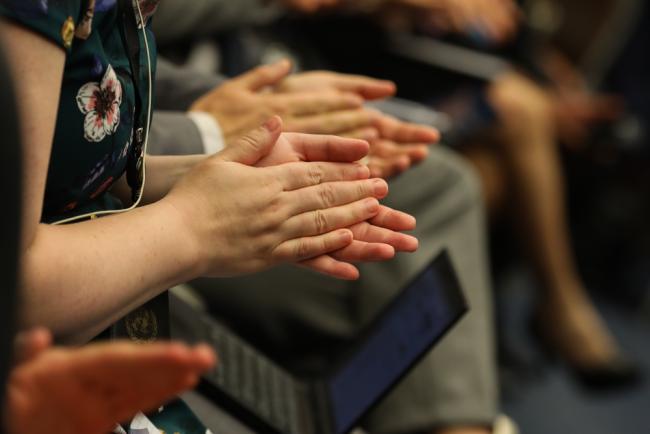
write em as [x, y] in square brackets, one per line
[254, 380]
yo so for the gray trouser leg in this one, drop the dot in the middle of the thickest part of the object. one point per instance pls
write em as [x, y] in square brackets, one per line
[300, 317]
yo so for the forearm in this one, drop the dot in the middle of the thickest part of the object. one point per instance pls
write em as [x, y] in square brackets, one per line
[164, 171]
[79, 279]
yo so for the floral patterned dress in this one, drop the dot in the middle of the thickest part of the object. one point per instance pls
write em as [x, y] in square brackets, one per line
[96, 117]
[94, 135]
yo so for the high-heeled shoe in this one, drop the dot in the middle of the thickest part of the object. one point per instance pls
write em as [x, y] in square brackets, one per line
[617, 373]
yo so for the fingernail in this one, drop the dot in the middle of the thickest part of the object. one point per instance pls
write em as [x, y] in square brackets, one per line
[379, 187]
[372, 205]
[272, 124]
[345, 235]
[363, 171]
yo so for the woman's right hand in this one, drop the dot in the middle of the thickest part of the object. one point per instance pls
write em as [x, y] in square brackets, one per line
[245, 219]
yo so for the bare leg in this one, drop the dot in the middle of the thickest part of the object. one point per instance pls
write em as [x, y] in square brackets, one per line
[529, 156]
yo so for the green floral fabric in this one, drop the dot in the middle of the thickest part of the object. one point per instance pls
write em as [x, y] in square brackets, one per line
[94, 131]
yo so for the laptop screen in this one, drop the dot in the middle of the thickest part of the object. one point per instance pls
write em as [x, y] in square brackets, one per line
[403, 333]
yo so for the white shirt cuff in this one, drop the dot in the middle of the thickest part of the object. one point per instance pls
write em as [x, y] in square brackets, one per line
[209, 130]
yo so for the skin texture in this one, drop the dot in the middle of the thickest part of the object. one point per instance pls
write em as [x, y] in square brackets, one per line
[88, 390]
[179, 237]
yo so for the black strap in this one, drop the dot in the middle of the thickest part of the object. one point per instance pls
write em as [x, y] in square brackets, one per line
[151, 321]
[131, 34]
[132, 39]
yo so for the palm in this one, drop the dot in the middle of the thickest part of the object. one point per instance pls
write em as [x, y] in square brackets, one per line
[89, 390]
[286, 150]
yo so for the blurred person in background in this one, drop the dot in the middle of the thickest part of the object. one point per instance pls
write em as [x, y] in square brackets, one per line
[539, 102]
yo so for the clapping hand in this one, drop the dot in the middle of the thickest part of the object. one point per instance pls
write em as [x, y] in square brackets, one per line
[89, 390]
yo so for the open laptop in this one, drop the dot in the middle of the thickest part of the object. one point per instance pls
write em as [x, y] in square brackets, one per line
[268, 399]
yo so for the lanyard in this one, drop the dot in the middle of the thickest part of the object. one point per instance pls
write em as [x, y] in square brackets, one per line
[135, 161]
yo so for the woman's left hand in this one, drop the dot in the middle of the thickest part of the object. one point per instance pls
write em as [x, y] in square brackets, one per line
[375, 240]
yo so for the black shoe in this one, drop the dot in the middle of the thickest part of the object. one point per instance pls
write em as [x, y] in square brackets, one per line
[618, 373]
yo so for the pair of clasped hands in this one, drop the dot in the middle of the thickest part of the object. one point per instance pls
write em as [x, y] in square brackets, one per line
[271, 197]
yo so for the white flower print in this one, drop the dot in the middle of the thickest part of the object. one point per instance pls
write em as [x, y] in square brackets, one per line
[100, 102]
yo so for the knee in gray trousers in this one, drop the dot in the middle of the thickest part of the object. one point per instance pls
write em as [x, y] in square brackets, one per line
[302, 319]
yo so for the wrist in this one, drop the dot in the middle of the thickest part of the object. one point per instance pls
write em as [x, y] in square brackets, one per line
[189, 251]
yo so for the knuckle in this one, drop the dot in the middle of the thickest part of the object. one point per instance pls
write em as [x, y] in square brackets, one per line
[302, 249]
[320, 222]
[275, 215]
[362, 190]
[327, 195]
[249, 140]
[316, 174]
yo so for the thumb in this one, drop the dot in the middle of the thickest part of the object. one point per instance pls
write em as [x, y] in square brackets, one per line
[264, 76]
[255, 145]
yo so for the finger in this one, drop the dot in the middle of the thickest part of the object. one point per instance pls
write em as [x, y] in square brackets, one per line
[404, 132]
[323, 221]
[361, 251]
[394, 220]
[333, 123]
[329, 195]
[310, 103]
[121, 371]
[255, 145]
[368, 88]
[380, 168]
[389, 149]
[30, 344]
[264, 76]
[328, 148]
[331, 267]
[386, 167]
[127, 356]
[369, 233]
[367, 133]
[308, 247]
[295, 176]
